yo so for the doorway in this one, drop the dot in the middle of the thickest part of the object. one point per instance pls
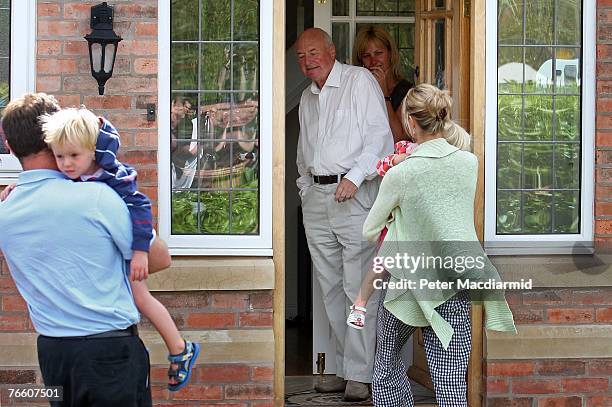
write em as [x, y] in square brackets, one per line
[432, 37]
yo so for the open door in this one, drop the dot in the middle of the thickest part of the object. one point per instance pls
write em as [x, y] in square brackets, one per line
[442, 58]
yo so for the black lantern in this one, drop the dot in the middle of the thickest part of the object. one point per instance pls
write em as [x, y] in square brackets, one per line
[102, 44]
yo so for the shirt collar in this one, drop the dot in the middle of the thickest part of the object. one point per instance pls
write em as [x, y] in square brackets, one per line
[30, 176]
[333, 79]
[436, 148]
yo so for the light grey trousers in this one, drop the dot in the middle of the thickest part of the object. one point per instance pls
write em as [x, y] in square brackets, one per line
[341, 258]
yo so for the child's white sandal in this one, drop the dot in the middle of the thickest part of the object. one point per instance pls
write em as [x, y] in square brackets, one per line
[356, 318]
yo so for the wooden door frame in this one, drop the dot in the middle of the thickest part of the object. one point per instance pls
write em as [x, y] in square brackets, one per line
[476, 95]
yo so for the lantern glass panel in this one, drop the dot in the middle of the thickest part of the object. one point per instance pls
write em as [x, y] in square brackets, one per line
[96, 57]
[109, 57]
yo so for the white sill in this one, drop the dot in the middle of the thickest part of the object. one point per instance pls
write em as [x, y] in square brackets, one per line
[538, 250]
[197, 251]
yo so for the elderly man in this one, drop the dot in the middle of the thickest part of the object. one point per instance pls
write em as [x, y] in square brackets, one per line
[344, 131]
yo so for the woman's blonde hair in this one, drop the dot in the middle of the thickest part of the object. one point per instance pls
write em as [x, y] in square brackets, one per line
[78, 127]
[430, 107]
[378, 34]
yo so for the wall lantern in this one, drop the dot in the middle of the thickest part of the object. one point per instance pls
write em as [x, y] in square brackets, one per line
[102, 44]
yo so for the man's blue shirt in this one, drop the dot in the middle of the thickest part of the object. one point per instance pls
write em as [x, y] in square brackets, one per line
[66, 244]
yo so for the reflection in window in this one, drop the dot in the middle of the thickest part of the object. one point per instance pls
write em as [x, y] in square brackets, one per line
[214, 122]
[538, 125]
[5, 38]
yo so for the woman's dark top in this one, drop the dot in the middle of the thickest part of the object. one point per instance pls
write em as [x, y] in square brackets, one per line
[399, 93]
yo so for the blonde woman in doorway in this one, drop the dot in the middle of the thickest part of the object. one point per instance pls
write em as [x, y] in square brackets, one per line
[430, 196]
[375, 50]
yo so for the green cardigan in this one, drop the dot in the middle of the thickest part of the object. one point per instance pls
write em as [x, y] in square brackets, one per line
[430, 197]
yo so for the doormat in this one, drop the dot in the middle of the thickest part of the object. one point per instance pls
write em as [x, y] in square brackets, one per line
[312, 398]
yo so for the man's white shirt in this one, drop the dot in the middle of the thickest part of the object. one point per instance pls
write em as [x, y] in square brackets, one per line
[344, 127]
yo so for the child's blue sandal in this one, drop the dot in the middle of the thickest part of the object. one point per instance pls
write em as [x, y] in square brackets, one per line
[185, 362]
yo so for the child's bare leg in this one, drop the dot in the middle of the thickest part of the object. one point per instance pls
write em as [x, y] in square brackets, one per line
[367, 287]
[159, 316]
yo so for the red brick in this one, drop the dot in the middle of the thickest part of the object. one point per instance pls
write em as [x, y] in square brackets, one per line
[122, 85]
[145, 66]
[17, 376]
[146, 29]
[196, 299]
[78, 10]
[604, 105]
[256, 319]
[599, 401]
[603, 138]
[535, 386]
[124, 120]
[13, 303]
[262, 404]
[603, 121]
[604, 16]
[497, 386]
[604, 51]
[13, 322]
[600, 367]
[570, 315]
[561, 368]
[47, 10]
[263, 373]
[224, 373]
[108, 102]
[160, 374]
[603, 175]
[48, 84]
[510, 368]
[69, 100]
[594, 296]
[546, 297]
[248, 392]
[48, 47]
[199, 392]
[148, 177]
[135, 10]
[211, 320]
[573, 401]
[84, 85]
[56, 66]
[604, 70]
[603, 157]
[7, 285]
[138, 156]
[604, 87]
[159, 392]
[143, 100]
[229, 300]
[514, 298]
[76, 48]
[603, 314]
[145, 139]
[524, 315]
[262, 300]
[137, 47]
[585, 385]
[54, 28]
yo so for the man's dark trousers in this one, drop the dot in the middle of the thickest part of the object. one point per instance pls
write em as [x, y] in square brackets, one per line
[96, 372]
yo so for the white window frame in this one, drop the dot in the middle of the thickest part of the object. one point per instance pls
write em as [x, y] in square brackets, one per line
[219, 245]
[323, 19]
[542, 244]
[22, 68]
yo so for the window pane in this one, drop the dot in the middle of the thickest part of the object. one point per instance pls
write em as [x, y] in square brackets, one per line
[340, 36]
[182, 25]
[440, 53]
[539, 108]
[385, 8]
[510, 27]
[340, 7]
[539, 22]
[215, 121]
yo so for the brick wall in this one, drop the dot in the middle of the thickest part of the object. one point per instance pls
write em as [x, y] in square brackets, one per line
[63, 70]
[554, 382]
[239, 384]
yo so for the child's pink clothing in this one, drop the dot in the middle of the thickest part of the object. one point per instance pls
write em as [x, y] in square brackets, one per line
[401, 147]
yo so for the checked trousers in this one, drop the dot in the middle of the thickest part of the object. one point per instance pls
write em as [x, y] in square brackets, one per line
[448, 368]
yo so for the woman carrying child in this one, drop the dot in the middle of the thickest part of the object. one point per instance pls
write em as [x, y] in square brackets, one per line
[430, 198]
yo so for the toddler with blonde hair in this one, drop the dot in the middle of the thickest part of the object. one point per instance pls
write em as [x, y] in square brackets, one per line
[85, 148]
